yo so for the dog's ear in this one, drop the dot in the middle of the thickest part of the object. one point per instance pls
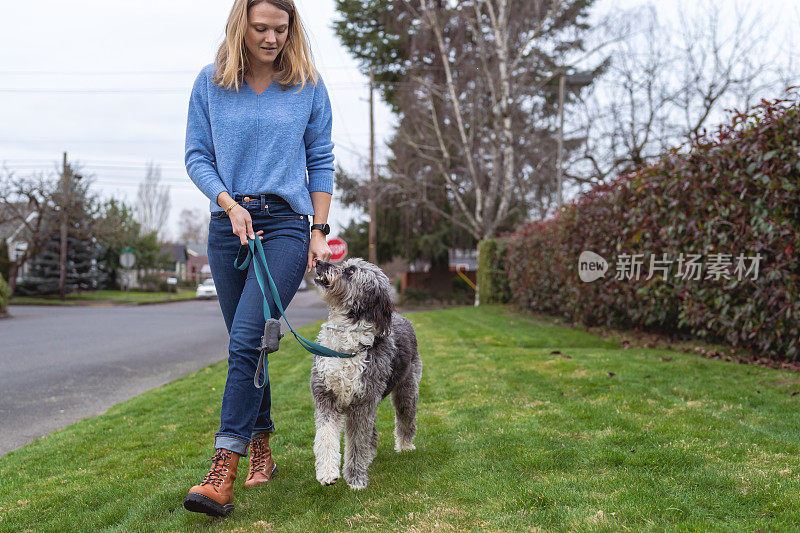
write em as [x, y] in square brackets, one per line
[376, 307]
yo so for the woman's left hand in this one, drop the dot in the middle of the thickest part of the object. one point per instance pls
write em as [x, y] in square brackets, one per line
[318, 249]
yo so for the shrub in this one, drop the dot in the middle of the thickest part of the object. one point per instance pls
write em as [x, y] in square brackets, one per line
[410, 296]
[458, 285]
[187, 284]
[731, 192]
[5, 293]
[492, 274]
[153, 283]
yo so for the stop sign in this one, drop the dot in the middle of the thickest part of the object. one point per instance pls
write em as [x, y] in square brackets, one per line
[338, 248]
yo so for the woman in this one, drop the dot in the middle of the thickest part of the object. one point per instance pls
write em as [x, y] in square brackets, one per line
[259, 117]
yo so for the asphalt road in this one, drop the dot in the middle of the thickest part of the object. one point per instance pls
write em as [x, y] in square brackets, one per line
[59, 365]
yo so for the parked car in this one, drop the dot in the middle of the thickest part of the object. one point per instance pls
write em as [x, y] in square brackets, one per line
[207, 289]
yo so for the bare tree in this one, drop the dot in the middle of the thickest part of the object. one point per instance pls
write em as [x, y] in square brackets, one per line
[28, 211]
[193, 226]
[667, 82]
[477, 126]
[153, 203]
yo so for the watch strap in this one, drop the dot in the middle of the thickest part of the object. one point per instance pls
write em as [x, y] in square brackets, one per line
[324, 228]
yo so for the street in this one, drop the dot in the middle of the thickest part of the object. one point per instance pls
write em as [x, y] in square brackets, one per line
[59, 365]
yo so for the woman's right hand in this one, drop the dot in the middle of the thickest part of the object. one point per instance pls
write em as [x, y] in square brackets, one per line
[241, 223]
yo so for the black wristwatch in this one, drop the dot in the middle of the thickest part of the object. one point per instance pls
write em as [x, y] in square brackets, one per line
[324, 228]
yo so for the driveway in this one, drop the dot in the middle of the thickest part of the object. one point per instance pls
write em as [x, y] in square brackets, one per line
[59, 365]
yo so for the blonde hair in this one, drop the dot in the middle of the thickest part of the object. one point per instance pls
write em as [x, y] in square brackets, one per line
[294, 64]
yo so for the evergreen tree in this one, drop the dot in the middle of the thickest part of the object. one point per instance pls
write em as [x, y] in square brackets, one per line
[82, 272]
[5, 265]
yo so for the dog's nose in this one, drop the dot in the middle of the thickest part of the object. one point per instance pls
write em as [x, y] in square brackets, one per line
[322, 266]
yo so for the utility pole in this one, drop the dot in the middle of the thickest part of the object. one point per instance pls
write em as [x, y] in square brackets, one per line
[576, 81]
[373, 253]
[560, 160]
[62, 283]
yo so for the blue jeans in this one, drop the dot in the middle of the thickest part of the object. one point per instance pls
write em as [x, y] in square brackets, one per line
[246, 408]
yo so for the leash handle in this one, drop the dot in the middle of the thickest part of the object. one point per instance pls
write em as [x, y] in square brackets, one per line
[256, 250]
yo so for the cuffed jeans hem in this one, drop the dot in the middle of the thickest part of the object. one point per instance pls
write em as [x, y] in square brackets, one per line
[234, 444]
[270, 429]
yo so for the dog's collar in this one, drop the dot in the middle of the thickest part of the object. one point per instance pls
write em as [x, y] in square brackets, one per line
[363, 348]
[326, 325]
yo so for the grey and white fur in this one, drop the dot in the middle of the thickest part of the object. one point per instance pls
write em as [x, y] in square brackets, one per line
[347, 391]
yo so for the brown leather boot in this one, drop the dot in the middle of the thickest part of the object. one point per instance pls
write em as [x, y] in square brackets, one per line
[214, 496]
[262, 466]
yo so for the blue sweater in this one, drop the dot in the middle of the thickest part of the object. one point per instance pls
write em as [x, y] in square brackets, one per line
[244, 143]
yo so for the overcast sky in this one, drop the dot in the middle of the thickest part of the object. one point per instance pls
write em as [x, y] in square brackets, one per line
[108, 82]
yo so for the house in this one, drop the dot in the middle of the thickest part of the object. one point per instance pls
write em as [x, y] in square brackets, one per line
[419, 275]
[197, 268]
[15, 233]
[176, 253]
[187, 260]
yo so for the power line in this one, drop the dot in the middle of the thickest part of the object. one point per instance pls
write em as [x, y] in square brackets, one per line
[135, 72]
[85, 163]
[132, 141]
[93, 73]
[106, 179]
[185, 187]
[106, 166]
[131, 164]
[9, 90]
[170, 90]
[168, 72]
[339, 144]
[137, 168]
[184, 184]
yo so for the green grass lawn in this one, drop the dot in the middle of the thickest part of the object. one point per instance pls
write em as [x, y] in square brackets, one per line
[106, 296]
[510, 436]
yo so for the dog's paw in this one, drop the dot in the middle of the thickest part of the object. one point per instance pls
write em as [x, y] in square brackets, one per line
[328, 478]
[400, 446]
[356, 480]
[359, 483]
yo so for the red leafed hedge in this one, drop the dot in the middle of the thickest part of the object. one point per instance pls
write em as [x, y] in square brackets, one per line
[736, 192]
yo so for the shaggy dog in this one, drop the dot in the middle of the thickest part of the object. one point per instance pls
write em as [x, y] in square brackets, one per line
[347, 391]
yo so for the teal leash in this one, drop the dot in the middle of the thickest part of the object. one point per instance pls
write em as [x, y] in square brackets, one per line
[272, 328]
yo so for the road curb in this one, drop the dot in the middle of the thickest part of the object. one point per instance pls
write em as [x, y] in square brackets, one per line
[104, 303]
[174, 301]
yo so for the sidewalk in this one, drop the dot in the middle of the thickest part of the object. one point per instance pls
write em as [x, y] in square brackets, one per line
[107, 298]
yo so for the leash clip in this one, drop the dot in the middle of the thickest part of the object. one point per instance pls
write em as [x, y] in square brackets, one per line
[364, 349]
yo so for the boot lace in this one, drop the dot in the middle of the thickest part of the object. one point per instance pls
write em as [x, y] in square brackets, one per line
[258, 461]
[219, 468]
